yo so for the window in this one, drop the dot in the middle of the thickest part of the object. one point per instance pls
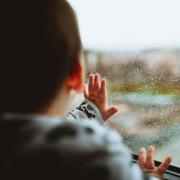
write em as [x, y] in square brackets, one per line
[136, 46]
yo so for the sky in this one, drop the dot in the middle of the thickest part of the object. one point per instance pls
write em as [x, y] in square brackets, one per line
[128, 24]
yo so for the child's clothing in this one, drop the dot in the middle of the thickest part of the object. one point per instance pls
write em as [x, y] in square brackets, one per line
[43, 147]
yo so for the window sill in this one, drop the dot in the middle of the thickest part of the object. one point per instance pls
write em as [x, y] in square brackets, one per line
[173, 172]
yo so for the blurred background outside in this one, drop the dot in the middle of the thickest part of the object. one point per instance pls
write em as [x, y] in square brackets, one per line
[136, 46]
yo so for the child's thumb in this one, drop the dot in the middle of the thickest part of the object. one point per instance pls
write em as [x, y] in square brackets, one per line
[111, 111]
[85, 91]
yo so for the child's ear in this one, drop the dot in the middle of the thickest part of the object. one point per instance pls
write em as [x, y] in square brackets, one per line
[76, 80]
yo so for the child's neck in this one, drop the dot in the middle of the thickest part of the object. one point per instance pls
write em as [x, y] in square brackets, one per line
[59, 105]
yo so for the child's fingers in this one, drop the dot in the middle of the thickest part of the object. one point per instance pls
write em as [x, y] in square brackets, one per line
[85, 91]
[96, 85]
[91, 85]
[142, 157]
[165, 164]
[150, 157]
[111, 111]
[103, 90]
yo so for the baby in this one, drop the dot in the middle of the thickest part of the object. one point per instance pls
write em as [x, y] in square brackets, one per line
[40, 67]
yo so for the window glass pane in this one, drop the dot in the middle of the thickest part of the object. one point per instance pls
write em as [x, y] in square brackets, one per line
[136, 46]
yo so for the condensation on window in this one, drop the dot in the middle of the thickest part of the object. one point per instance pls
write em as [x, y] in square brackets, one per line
[146, 88]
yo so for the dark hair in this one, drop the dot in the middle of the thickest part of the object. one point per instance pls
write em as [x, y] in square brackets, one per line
[41, 43]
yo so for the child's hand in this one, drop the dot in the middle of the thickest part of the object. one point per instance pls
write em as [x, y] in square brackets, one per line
[146, 162]
[96, 92]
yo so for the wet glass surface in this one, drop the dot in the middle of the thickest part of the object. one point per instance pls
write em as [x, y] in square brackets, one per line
[148, 96]
[135, 45]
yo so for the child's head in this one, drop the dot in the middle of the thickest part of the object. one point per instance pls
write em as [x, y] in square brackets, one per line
[42, 54]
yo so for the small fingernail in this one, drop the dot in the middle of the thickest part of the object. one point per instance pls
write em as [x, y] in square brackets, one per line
[142, 149]
[115, 109]
[151, 148]
[169, 158]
